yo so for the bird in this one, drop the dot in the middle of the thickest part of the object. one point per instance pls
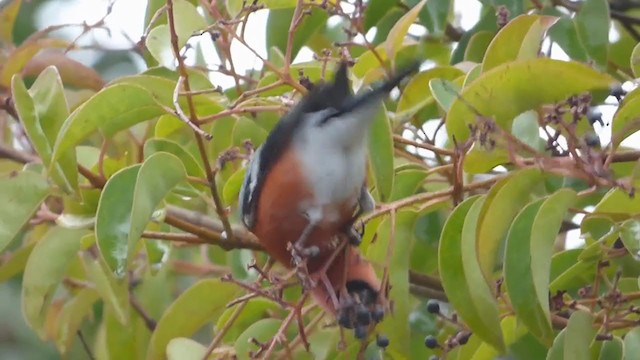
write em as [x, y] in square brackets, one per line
[305, 187]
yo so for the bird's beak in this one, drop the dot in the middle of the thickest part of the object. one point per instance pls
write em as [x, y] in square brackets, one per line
[379, 90]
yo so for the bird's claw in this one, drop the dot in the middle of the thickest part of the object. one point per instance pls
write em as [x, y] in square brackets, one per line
[300, 255]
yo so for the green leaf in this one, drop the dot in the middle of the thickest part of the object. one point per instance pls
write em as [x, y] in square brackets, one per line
[187, 21]
[113, 218]
[445, 92]
[436, 15]
[564, 33]
[397, 326]
[278, 25]
[279, 4]
[517, 87]
[632, 344]
[635, 60]
[399, 31]
[232, 187]
[254, 310]
[44, 272]
[578, 337]
[115, 108]
[21, 195]
[406, 183]
[191, 165]
[630, 236]
[262, 330]
[417, 92]
[461, 274]
[592, 25]
[114, 292]
[184, 348]
[71, 316]
[503, 202]
[612, 349]
[381, 153]
[519, 40]
[15, 264]
[375, 11]
[134, 202]
[187, 313]
[8, 14]
[528, 260]
[625, 121]
[617, 201]
[43, 109]
[478, 44]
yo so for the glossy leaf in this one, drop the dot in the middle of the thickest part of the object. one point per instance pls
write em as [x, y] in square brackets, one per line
[477, 46]
[462, 277]
[381, 153]
[113, 109]
[133, 193]
[21, 195]
[517, 87]
[399, 31]
[191, 165]
[528, 260]
[564, 33]
[44, 271]
[187, 21]
[519, 40]
[15, 264]
[503, 202]
[592, 25]
[113, 219]
[43, 109]
[262, 330]
[187, 314]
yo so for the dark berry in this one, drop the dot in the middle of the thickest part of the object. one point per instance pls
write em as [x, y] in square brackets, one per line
[431, 342]
[382, 341]
[362, 316]
[378, 313]
[463, 337]
[344, 320]
[360, 332]
[433, 306]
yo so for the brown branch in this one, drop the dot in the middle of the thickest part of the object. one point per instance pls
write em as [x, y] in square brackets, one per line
[10, 153]
[182, 70]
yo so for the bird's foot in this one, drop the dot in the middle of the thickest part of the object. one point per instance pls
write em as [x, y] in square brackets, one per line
[355, 234]
[300, 256]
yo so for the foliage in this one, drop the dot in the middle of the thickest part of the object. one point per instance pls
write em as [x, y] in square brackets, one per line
[119, 199]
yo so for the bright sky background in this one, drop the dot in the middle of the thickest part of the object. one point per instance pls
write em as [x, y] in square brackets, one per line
[126, 24]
